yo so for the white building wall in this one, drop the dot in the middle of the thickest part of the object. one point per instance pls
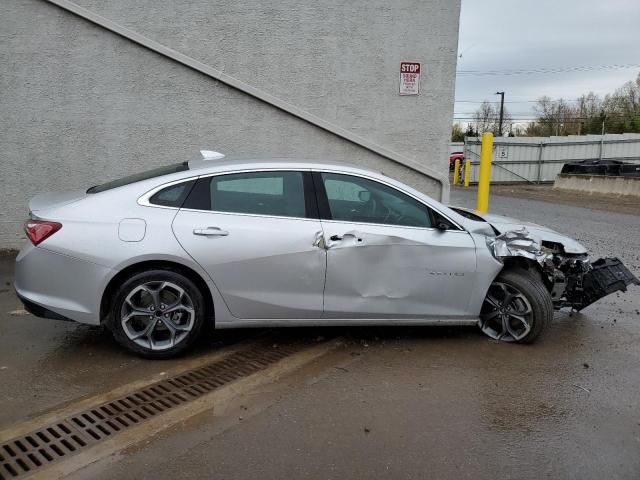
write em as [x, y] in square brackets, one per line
[82, 105]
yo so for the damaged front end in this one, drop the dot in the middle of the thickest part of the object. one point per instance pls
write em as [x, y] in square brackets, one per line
[571, 279]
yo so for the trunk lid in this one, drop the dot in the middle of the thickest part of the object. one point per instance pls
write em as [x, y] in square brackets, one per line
[47, 201]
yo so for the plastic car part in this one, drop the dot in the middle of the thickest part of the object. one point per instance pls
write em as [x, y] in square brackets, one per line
[606, 276]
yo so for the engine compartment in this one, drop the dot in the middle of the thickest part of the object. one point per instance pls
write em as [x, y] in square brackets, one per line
[573, 281]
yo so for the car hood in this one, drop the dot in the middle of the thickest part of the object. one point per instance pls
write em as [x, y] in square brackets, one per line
[505, 224]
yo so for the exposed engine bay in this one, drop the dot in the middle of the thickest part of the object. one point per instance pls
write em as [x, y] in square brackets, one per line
[572, 279]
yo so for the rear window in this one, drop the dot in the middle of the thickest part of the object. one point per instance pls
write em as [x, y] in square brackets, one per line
[277, 193]
[172, 196]
[139, 177]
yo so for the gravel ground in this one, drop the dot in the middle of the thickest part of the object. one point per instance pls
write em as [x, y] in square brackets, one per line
[546, 193]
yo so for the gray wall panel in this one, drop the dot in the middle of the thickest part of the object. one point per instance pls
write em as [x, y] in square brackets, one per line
[82, 105]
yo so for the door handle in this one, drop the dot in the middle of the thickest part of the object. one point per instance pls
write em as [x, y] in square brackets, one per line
[210, 232]
[338, 238]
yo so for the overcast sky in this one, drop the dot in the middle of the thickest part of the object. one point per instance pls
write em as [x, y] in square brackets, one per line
[534, 34]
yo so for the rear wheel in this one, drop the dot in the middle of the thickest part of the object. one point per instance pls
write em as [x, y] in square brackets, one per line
[157, 314]
[517, 307]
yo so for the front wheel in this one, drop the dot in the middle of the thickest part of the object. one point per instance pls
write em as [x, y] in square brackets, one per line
[157, 313]
[517, 308]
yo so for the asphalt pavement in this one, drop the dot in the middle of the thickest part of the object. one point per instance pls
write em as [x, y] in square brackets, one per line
[391, 402]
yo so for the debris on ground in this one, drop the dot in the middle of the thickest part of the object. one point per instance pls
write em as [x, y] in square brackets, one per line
[582, 388]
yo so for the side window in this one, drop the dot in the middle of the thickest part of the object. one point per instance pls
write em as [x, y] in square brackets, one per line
[262, 193]
[172, 196]
[356, 199]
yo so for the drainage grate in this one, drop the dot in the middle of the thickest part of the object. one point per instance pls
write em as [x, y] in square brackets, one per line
[41, 448]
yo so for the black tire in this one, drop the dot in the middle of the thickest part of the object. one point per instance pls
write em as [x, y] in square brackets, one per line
[530, 290]
[158, 287]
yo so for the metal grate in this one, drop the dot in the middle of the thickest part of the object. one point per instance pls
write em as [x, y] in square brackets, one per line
[41, 448]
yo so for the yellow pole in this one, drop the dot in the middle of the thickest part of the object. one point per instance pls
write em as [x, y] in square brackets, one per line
[456, 171]
[467, 172]
[484, 179]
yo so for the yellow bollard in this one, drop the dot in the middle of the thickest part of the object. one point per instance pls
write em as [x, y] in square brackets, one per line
[484, 177]
[467, 172]
[456, 171]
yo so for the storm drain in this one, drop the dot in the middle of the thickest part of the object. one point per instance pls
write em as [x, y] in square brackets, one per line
[41, 448]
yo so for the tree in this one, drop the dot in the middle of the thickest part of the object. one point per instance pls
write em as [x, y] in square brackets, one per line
[470, 131]
[457, 134]
[487, 118]
[589, 114]
[484, 118]
[555, 117]
[618, 112]
[622, 108]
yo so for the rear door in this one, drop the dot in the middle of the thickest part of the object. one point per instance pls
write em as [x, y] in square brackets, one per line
[257, 235]
[385, 259]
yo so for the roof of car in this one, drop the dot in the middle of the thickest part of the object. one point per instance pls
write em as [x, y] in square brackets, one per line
[234, 163]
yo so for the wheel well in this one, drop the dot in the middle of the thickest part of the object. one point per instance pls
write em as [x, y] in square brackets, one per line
[521, 263]
[121, 276]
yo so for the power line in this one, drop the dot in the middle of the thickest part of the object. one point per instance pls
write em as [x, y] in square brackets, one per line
[546, 70]
[582, 117]
[461, 116]
[512, 101]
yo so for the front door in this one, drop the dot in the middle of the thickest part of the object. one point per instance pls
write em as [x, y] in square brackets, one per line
[385, 259]
[252, 233]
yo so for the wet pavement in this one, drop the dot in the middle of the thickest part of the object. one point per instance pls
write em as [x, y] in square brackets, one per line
[390, 402]
[46, 364]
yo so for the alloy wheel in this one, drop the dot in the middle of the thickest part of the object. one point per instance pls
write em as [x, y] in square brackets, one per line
[157, 315]
[506, 313]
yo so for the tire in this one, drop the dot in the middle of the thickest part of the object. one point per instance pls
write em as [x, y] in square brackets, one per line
[518, 307]
[157, 314]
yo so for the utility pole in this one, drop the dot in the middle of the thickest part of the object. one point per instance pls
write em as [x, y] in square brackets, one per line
[501, 112]
[581, 115]
[602, 137]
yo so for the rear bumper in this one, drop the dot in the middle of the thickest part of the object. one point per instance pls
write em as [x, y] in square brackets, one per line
[40, 311]
[53, 285]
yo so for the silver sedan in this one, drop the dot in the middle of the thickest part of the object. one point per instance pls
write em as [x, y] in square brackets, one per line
[158, 256]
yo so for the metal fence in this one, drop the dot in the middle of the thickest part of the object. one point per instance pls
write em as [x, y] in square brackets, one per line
[540, 159]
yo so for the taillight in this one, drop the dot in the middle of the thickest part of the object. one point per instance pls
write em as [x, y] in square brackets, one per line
[39, 230]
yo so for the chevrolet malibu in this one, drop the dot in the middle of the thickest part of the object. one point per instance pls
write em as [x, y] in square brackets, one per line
[159, 256]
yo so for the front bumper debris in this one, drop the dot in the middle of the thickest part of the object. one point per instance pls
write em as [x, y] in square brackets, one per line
[572, 281]
[606, 276]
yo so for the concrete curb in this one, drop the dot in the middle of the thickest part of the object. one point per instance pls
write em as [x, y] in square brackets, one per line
[599, 184]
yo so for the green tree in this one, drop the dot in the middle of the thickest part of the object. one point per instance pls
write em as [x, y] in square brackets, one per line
[618, 112]
[457, 134]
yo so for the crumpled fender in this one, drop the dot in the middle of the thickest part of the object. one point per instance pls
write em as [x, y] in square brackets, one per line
[518, 243]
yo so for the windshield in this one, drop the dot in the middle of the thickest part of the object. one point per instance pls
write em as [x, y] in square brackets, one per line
[138, 177]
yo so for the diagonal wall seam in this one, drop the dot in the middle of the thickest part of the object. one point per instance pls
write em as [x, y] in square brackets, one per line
[254, 92]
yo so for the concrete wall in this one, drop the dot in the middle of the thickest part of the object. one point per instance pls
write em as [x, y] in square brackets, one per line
[599, 184]
[82, 105]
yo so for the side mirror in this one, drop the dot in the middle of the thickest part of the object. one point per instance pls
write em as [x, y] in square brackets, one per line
[442, 225]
